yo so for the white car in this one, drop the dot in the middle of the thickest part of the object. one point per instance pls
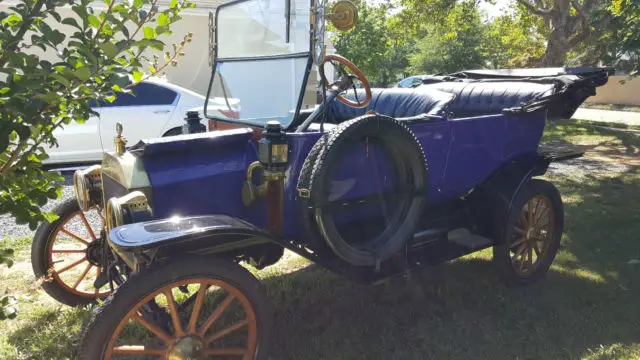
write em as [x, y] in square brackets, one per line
[158, 109]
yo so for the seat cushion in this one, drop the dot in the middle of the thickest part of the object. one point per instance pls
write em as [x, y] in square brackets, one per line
[475, 98]
[393, 102]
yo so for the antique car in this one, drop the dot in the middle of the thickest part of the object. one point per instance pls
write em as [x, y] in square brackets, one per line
[370, 184]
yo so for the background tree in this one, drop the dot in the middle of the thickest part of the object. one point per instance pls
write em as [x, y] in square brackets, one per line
[105, 54]
[566, 24]
[367, 45]
[453, 45]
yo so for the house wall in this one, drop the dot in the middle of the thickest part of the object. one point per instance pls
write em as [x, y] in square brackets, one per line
[613, 92]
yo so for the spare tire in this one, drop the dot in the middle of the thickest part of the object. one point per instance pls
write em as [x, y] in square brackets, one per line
[406, 156]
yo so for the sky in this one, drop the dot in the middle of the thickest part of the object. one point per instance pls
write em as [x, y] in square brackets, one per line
[491, 10]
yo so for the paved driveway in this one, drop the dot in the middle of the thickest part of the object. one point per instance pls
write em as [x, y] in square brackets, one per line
[620, 117]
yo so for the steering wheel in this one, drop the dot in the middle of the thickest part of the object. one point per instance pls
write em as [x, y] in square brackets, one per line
[345, 82]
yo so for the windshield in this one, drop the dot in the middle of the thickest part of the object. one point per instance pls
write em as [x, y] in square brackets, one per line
[262, 59]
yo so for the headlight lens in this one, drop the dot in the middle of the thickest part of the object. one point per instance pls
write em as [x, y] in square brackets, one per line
[127, 209]
[88, 187]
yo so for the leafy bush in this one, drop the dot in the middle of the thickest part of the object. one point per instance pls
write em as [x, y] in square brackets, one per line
[48, 78]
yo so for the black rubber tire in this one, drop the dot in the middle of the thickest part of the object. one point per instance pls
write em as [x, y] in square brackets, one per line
[402, 145]
[97, 332]
[40, 258]
[502, 252]
[173, 132]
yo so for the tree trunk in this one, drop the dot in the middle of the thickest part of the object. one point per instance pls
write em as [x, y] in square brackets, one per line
[555, 52]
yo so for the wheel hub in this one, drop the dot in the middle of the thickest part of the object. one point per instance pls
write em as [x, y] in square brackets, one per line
[187, 348]
[94, 252]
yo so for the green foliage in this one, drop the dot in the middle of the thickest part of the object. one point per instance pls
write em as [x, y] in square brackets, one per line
[369, 45]
[48, 78]
[455, 45]
[7, 310]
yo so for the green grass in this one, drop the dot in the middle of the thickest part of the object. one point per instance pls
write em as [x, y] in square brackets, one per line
[587, 308]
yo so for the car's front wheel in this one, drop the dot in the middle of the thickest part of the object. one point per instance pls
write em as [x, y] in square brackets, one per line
[67, 254]
[193, 308]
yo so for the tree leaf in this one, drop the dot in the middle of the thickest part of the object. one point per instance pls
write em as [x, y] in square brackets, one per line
[163, 19]
[109, 49]
[82, 73]
[149, 32]
[93, 21]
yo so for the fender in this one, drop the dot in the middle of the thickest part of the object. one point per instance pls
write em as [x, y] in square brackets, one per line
[492, 201]
[141, 242]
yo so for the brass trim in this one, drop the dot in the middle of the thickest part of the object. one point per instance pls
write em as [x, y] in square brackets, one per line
[119, 140]
[84, 182]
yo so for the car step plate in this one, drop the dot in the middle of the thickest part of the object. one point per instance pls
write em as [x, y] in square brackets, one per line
[465, 238]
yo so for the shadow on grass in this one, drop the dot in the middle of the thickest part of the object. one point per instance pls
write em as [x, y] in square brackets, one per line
[459, 312]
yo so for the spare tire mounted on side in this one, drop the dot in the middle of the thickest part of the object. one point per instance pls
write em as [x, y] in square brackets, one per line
[407, 157]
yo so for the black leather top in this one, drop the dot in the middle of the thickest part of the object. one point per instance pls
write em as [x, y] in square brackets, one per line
[484, 98]
[393, 102]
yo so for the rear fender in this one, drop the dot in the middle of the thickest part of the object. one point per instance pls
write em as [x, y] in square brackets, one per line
[143, 242]
[492, 201]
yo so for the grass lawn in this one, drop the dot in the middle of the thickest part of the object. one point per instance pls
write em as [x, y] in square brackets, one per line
[587, 308]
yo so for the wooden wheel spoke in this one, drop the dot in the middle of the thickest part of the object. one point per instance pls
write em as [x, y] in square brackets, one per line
[542, 213]
[536, 249]
[175, 317]
[222, 333]
[224, 352]
[74, 236]
[519, 242]
[72, 265]
[197, 306]
[68, 251]
[84, 274]
[138, 350]
[534, 215]
[523, 219]
[153, 328]
[530, 256]
[216, 314]
[520, 231]
[86, 224]
[530, 213]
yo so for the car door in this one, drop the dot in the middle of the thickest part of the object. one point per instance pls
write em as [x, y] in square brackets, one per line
[143, 114]
[77, 142]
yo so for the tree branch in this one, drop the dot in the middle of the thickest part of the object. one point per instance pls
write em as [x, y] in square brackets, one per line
[585, 30]
[544, 12]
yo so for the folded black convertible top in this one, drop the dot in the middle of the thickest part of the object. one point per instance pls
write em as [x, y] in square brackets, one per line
[572, 85]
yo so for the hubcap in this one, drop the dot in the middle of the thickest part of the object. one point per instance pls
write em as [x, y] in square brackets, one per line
[188, 348]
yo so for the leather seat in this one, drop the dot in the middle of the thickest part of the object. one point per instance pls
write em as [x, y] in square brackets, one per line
[394, 102]
[485, 98]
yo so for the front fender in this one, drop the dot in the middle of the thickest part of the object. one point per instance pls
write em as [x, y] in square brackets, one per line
[179, 235]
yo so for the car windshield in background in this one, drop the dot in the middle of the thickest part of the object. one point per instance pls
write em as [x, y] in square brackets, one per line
[262, 56]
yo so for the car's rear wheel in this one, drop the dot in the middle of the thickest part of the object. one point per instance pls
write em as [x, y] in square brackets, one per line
[66, 255]
[195, 308]
[532, 235]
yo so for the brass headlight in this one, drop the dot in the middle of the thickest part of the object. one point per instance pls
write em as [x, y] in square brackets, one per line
[87, 185]
[127, 209]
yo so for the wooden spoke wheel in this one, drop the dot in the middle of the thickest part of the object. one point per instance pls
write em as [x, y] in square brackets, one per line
[188, 309]
[67, 255]
[533, 234]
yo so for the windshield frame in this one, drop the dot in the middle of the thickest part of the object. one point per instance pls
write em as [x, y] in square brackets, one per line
[308, 54]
